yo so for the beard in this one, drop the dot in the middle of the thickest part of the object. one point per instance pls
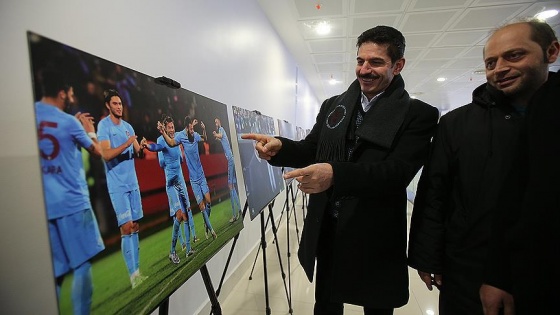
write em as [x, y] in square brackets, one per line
[114, 113]
[68, 106]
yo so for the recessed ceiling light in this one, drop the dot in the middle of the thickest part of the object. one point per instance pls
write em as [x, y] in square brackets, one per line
[332, 81]
[430, 312]
[546, 14]
[323, 28]
[441, 79]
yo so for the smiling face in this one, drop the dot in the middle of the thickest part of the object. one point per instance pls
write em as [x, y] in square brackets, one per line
[515, 64]
[115, 107]
[170, 129]
[374, 68]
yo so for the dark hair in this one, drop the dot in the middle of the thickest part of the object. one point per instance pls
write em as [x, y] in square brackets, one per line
[187, 121]
[385, 35]
[108, 94]
[542, 34]
[53, 81]
[167, 120]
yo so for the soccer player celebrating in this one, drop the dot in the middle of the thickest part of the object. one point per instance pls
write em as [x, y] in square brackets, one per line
[176, 189]
[119, 146]
[73, 230]
[220, 135]
[190, 139]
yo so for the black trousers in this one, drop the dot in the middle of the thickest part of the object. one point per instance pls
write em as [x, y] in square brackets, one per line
[325, 271]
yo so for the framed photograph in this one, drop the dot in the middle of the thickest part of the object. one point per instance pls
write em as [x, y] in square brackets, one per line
[263, 182]
[131, 217]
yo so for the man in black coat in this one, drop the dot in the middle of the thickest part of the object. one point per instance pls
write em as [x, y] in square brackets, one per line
[524, 252]
[471, 158]
[366, 146]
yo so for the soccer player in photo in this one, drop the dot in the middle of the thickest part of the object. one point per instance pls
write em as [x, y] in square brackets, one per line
[220, 135]
[73, 231]
[190, 139]
[170, 160]
[119, 147]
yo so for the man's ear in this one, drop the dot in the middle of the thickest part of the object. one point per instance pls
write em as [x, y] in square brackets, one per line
[399, 65]
[62, 95]
[552, 52]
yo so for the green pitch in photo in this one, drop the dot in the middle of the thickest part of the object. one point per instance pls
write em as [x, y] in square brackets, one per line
[112, 293]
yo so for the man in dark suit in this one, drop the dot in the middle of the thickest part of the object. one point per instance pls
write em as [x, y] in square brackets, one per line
[366, 146]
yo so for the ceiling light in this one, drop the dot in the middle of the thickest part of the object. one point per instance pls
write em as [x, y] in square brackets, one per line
[332, 81]
[441, 79]
[546, 14]
[430, 312]
[323, 28]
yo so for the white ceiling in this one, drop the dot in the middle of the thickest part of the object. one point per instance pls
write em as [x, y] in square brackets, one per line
[444, 38]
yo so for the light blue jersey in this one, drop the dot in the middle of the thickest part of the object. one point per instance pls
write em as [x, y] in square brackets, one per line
[170, 159]
[225, 144]
[60, 137]
[196, 173]
[121, 174]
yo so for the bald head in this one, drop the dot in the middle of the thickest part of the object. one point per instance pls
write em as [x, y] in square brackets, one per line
[516, 60]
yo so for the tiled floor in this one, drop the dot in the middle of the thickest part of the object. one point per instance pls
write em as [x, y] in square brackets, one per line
[248, 296]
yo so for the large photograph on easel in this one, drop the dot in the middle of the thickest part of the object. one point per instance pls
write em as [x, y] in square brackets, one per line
[131, 216]
[263, 182]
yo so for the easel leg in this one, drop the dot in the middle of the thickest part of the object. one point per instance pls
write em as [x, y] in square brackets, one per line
[231, 251]
[295, 212]
[279, 257]
[164, 307]
[216, 309]
[263, 246]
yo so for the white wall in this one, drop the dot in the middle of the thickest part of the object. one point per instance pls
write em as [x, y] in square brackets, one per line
[225, 50]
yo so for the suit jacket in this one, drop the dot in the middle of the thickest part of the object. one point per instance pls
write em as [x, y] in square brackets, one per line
[369, 192]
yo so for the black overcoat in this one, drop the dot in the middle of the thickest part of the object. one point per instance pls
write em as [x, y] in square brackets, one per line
[525, 248]
[370, 194]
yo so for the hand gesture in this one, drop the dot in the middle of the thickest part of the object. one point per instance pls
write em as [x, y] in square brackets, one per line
[131, 140]
[160, 127]
[143, 142]
[266, 146]
[313, 179]
[86, 120]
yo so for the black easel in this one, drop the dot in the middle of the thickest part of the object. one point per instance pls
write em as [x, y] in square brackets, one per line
[294, 196]
[259, 249]
[263, 246]
[289, 190]
[303, 203]
[164, 307]
[216, 309]
[236, 237]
